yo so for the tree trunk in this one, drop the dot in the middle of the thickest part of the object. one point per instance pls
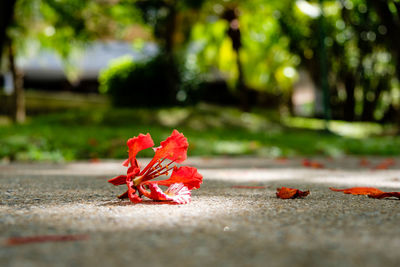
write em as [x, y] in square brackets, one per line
[349, 105]
[169, 49]
[18, 105]
[6, 15]
[232, 16]
[369, 106]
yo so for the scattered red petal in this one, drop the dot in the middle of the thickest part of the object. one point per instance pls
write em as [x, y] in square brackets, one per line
[313, 164]
[95, 160]
[385, 164]
[385, 195]
[364, 162]
[281, 160]
[358, 190]
[286, 193]
[13, 241]
[248, 186]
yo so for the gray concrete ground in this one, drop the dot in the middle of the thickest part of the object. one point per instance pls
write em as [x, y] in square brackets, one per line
[222, 226]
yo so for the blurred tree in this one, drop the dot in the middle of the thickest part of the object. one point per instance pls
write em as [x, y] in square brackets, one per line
[360, 60]
[171, 22]
[241, 41]
[64, 26]
[6, 14]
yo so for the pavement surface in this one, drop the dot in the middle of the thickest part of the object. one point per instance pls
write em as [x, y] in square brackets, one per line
[222, 226]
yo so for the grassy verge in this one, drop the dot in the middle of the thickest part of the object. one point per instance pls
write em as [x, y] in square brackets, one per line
[102, 133]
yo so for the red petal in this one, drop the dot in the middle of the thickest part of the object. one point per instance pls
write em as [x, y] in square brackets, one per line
[385, 164]
[12, 241]
[177, 193]
[185, 175]
[385, 195]
[133, 197]
[286, 193]
[119, 180]
[126, 163]
[124, 195]
[358, 190]
[364, 162]
[313, 164]
[137, 144]
[173, 148]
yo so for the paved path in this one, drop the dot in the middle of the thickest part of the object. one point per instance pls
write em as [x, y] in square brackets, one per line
[223, 226]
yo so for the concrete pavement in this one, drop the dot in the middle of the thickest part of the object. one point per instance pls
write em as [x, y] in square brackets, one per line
[222, 226]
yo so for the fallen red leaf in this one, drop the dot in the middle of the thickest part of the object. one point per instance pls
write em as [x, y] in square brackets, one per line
[248, 186]
[370, 191]
[13, 241]
[364, 162]
[385, 164]
[358, 190]
[281, 160]
[95, 160]
[286, 193]
[385, 195]
[313, 164]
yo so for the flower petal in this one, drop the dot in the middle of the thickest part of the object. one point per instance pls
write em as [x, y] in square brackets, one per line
[119, 180]
[177, 193]
[286, 193]
[137, 144]
[173, 148]
[124, 195]
[385, 195]
[132, 191]
[358, 190]
[188, 176]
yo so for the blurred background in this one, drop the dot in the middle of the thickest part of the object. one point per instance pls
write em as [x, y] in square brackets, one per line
[273, 78]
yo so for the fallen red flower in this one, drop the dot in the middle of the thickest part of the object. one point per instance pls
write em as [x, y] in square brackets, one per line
[313, 164]
[286, 193]
[385, 164]
[358, 190]
[181, 182]
[13, 241]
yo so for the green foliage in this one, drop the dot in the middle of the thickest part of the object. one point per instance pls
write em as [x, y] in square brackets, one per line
[267, 63]
[361, 64]
[139, 84]
[102, 133]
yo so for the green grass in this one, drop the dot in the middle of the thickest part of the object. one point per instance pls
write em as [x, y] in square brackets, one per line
[102, 133]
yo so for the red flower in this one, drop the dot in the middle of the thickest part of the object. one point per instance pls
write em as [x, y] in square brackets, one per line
[181, 182]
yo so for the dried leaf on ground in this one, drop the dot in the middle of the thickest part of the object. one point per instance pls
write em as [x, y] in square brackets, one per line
[287, 193]
[358, 190]
[369, 191]
[14, 241]
[313, 164]
[364, 162]
[385, 195]
[385, 164]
